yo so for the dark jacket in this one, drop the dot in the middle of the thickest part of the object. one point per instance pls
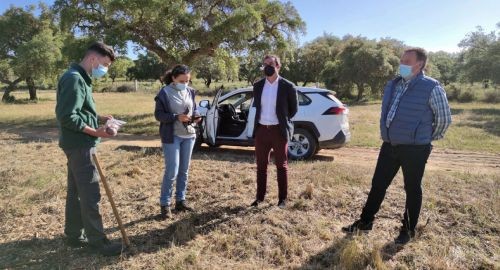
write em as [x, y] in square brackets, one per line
[286, 105]
[75, 109]
[166, 117]
[413, 121]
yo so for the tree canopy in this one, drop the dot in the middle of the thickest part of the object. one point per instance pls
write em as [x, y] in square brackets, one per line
[180, 31]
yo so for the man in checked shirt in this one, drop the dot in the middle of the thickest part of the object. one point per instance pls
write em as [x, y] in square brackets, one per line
[415, 112]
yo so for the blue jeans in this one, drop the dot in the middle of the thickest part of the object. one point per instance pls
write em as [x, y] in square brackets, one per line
[177, 158]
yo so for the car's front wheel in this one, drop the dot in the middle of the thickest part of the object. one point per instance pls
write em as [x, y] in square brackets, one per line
[303, 145]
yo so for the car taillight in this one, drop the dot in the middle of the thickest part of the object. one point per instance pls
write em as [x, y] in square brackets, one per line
[334, 111]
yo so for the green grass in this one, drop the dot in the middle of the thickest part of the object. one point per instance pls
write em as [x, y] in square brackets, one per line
[475, 127]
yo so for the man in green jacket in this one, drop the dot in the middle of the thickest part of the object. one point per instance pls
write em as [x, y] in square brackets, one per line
[79, 133]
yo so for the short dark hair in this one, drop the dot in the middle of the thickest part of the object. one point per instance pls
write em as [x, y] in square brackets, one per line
[421, 55]
[174, 72]
[275, 58]
[102, 49]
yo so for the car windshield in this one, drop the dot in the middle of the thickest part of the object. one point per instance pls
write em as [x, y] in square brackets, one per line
[240, 100]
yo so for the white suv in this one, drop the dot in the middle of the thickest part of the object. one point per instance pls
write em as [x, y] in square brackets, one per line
[321, 121]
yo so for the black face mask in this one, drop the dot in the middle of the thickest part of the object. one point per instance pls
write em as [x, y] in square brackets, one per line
[269, 70]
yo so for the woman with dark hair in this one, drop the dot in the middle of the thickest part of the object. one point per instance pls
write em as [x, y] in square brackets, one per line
[176, 111]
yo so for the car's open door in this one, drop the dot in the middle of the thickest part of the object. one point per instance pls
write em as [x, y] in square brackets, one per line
[251, 119]
[212, 119]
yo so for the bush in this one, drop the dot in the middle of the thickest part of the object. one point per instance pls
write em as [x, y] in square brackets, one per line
[106, 89]
[456, 93]
[125, 88]
[492, 96]
[10, 99]
[467, 96]
[453, 92]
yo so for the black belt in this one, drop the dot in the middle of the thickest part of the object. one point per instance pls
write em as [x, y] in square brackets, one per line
[269, 126]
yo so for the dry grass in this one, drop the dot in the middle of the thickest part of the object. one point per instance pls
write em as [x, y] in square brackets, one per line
[458, 229]
[462, 209]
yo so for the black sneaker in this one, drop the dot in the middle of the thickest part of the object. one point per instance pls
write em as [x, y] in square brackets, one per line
[77, 242]
[165, 212]
[256, 203]
[282, 204]
[183, 207]
[106, 248]
[404, 236]
[358, 225]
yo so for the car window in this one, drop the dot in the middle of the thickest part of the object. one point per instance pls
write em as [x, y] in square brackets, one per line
[241, 100]
[303, 99]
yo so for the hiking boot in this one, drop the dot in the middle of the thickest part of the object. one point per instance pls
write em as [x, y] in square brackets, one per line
[358, 225]
[183, 207]
[165, 212]
[404, 236]
[107, 248]
[77, 242]
[256, 203]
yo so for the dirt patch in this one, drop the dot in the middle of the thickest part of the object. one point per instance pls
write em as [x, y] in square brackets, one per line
[440, 159]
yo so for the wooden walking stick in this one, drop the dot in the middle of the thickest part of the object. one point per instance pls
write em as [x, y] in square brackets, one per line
[111, 201]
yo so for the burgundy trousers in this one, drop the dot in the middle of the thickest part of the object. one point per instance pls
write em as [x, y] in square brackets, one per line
[267, 138]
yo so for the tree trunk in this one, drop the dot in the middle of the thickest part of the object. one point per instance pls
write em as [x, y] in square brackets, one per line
[6, 95]
[31, 88]
[361, 90]
[10, 87]
[304, 83]
[208, 82]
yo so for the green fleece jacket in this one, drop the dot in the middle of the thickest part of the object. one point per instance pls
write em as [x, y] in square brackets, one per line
[75, 109]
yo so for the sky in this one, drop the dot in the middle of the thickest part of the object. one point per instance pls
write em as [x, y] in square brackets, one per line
[431, 24]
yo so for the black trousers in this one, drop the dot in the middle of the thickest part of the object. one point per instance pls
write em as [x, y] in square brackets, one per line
[83, 196]
[412, 160]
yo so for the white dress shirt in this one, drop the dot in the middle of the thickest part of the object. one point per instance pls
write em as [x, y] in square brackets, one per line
[268, 103]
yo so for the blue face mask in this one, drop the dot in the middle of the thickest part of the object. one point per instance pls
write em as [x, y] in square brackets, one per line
[405, 71]
[99, 71]
[180, 86]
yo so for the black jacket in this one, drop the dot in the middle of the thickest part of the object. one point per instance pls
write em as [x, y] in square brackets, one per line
[286, 105]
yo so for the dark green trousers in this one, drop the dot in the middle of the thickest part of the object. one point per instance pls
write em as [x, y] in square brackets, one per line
[83, 196]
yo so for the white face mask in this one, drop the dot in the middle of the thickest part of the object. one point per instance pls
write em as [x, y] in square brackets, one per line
[180, 86]
[99, 71]
[405, 71]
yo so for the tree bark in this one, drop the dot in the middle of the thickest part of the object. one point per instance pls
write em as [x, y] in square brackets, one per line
[361, 90]
[10, 87]
[209, 81]
[31, 88]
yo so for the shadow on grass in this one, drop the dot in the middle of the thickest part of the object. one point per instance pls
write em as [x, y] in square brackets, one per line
[54, 254]
[485, 119]
[46, 130]
[456, 111]
[29, 131]
[139, 124]
[333, 257]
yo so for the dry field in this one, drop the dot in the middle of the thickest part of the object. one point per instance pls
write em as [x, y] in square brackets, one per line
[459, 226]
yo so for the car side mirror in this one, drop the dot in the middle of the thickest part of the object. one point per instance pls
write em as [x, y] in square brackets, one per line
[204, 104]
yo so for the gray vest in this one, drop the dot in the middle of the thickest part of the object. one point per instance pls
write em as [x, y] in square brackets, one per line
[412, 123]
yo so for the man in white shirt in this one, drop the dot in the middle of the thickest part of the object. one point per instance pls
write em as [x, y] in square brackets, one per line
[275, 99]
